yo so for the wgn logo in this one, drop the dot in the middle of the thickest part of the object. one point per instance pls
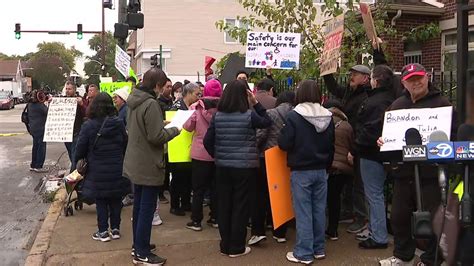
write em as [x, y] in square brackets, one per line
[414, 153]
[440, 150]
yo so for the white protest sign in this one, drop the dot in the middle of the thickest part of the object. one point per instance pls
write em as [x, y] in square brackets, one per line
[329, 60]
[122, 61]
[278, 50]
[425, 120]
[180, 118]
[60, 121]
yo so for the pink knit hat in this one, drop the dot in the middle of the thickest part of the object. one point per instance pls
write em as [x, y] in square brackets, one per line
[213, 88]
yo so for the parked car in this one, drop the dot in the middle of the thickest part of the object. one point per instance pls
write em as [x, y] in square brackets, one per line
[6, 101]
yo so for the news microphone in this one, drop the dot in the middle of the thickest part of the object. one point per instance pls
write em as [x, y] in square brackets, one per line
[414, 150]
[440, 136]
[421, 220]
[466, 133]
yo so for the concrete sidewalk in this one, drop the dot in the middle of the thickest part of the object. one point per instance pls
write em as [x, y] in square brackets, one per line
[70, 243]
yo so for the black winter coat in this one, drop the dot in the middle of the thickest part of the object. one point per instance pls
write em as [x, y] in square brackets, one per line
[105, 161]
[37, 114]
[370, 122]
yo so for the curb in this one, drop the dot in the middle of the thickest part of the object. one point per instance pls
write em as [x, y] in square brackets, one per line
[37, 254]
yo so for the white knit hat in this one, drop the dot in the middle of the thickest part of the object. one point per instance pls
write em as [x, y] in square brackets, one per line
[122, 93]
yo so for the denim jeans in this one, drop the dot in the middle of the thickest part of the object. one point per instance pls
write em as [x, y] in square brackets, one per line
[108, 208]
[71, 151]
[144, 206]
[38, 152]
[373, 176]
[309, 192]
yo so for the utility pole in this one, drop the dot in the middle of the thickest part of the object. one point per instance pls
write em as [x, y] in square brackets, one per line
[103, 37]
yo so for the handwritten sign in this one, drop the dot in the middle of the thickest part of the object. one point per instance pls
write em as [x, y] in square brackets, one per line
[110, 87]
[425, 120]
[368, 21]
[60, 121]
[122, 61]
[329, 60]
[278, 50]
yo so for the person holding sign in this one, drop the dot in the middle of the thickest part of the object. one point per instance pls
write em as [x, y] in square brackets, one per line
[369, 128]
[420, 93]
[308, 138]
[80, 115]
[144, 159]
[231, 141]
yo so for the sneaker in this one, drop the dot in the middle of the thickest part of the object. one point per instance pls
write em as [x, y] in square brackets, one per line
[320, 256]
[364, 235]
[212, 223]
[195, 226]
[177, 212]
[103, 237]
[371, 244]
[279, 239]
[152, 248]
[156, 219]
[127, 201]
[150, 259]
[291, 257]
[394, 261]
[332, 236]
[255, 239]
[32, 169]
[115, 234]
[163, 199]
[357, 226]
[41, 170]
[246, 251]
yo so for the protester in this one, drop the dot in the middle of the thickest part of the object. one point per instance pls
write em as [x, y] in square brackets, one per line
[120, 97]
[165, 100]
[266, 139]
[242, 75]
[264, 93]
[308, 138]
[92, 93]
[78, 120]
[419, 93]
[144, 164]
[177, 91]
[180, 187]
[203, 167]
[102, 141]
[37, 114]
[341, 171]
[231, 140]
[351, 98]
[368, 129]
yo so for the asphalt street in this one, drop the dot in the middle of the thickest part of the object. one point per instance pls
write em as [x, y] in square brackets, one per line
[21, 204]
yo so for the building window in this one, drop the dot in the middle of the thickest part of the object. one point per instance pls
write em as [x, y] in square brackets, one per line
[233, 22]
[412, 53]
[449, 50]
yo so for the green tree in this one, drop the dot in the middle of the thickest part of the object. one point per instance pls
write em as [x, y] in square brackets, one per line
[93, 68]
[299, 16]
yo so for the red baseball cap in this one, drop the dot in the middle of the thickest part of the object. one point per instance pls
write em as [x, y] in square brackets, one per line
[411, 70]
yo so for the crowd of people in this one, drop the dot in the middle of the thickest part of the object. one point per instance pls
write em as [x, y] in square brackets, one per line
[332, 146]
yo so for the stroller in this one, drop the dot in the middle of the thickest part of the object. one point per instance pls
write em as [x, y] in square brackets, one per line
[74, 182]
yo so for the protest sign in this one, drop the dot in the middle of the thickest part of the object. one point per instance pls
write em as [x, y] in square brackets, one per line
[425, 120]
[279, 186]
[179, 148]
[122, 61]
[179, 118]
[329, 60]
[278, 50]
[60, 120]
[110, 87]
[368, 22]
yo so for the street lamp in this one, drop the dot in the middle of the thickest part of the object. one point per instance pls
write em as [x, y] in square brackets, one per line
[102, 66]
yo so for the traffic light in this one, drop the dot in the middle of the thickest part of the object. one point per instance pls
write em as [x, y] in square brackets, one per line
[17, 31]
[79, 32]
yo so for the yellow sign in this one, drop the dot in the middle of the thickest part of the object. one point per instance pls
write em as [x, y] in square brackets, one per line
[179, 148]
[110, 87]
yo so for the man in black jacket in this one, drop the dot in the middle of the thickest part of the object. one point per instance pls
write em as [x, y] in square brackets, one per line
[352, 97]
[419, 93]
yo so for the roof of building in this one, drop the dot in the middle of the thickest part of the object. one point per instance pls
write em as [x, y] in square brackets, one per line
[8, 68]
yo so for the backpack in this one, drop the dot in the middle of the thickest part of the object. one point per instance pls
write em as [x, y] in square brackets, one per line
[25, 119]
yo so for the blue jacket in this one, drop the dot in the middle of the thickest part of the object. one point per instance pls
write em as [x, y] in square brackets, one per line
[37, 114]
[122, 113]
[105, 161]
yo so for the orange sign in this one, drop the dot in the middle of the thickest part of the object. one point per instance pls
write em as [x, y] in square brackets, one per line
[368, 22]
[279, 186]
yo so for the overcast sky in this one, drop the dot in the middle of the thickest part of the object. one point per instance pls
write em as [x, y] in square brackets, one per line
[51, 15]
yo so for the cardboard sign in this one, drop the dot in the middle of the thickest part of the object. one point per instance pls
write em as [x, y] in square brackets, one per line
[179, 148]
[368, 22]
[278, 50]
[60, 121]
[110, 87]
[122, 61]
[279, 186]
[425, 120]
[333, 32]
